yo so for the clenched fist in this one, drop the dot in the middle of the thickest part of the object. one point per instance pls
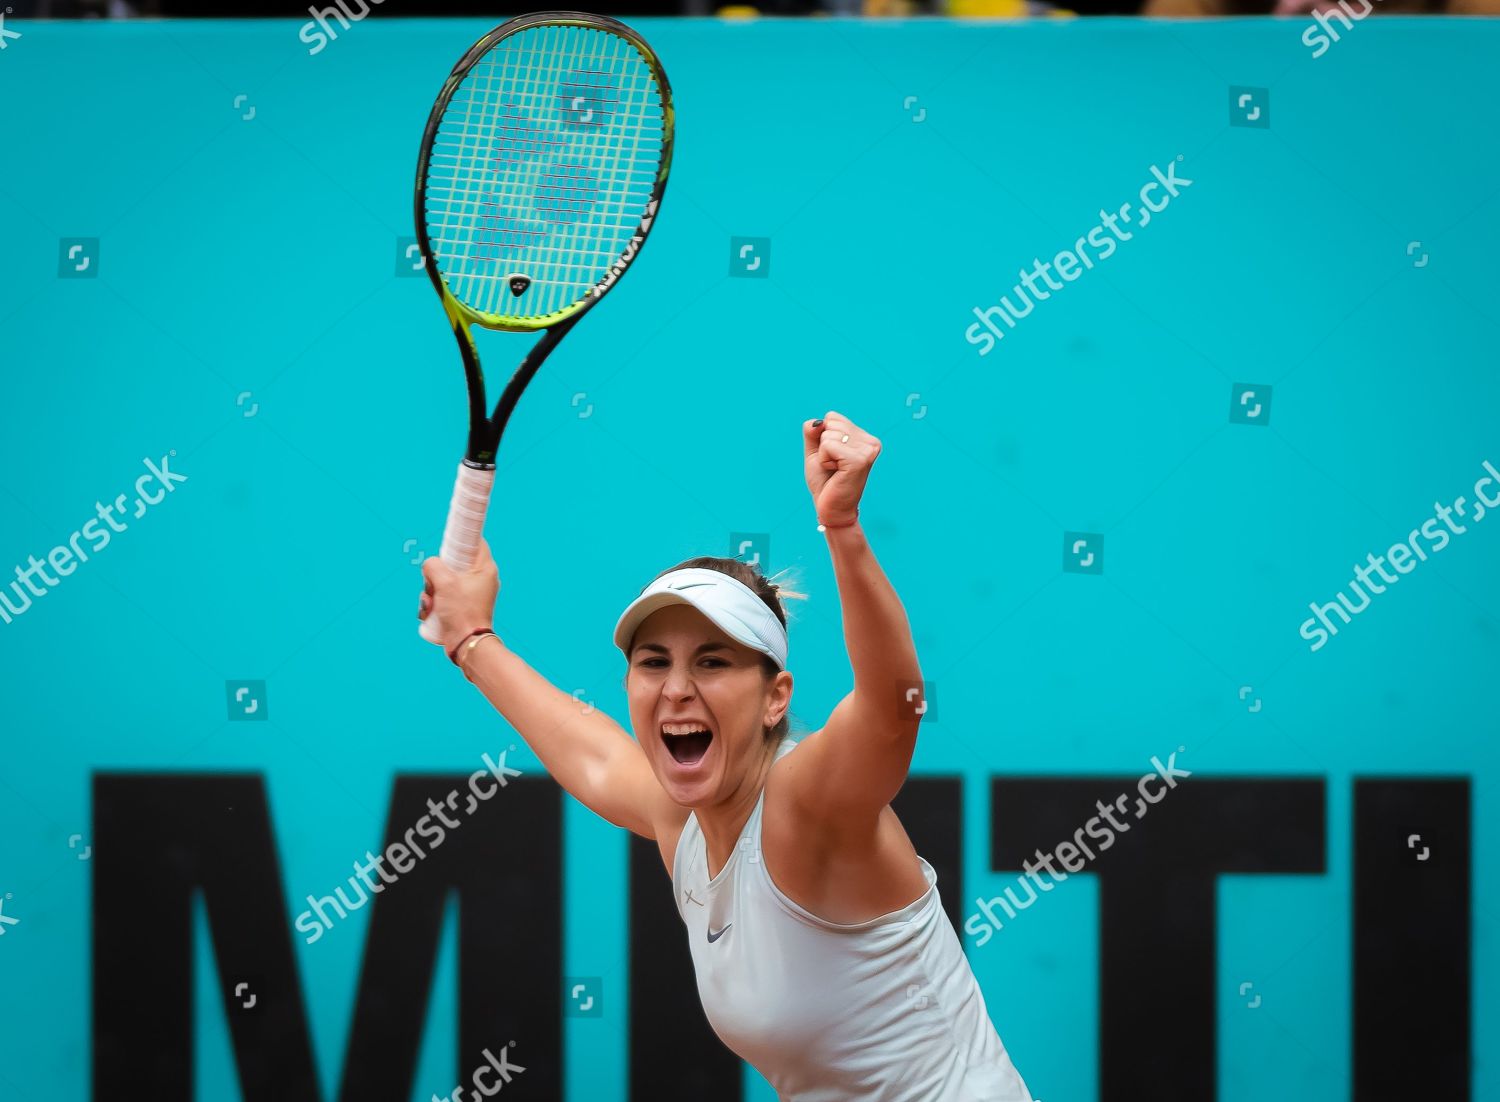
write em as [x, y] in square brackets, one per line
[839, 455]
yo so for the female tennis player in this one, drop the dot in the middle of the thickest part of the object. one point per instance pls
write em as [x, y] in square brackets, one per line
[822, 951]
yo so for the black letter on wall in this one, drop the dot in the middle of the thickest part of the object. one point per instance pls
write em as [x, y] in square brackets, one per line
[161, 838]
[1157, 916]
[1411, 940]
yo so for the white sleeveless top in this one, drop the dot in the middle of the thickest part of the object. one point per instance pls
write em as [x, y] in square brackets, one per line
[881, 1011]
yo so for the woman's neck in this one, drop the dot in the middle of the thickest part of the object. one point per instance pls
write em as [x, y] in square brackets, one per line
[722, 823]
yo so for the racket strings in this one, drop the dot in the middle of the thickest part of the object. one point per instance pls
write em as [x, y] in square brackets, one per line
[542, 166]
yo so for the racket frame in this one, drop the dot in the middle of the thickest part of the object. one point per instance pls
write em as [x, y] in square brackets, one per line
[485, 427]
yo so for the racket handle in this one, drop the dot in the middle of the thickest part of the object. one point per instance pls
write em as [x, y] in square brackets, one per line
[462, 533]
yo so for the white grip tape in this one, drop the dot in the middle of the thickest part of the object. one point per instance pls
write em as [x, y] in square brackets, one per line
[464, 530]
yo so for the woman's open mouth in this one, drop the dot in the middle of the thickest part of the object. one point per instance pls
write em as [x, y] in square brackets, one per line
[686, 742]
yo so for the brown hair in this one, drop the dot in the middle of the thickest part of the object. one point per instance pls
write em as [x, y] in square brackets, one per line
[768, 591]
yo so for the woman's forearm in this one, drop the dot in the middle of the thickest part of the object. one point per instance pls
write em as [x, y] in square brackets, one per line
[881, 650]
[574, 740]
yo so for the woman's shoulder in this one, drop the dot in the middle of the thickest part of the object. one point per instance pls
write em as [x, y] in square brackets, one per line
[785, 778]
[791, 820]
[839, 873]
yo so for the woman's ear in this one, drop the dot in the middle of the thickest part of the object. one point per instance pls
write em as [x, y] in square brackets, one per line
[781, 697]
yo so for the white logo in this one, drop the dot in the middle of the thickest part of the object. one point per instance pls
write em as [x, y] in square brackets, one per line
[4, 922]
[620, 265]
[5, 34]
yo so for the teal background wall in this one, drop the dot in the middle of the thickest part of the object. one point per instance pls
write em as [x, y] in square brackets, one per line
[250, 266]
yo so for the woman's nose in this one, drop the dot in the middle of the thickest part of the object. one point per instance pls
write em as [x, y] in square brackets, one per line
[679, 683]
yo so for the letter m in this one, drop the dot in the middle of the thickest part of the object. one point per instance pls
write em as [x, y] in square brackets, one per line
[162, 838]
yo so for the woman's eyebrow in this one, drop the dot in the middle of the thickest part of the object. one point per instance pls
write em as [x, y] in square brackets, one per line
[664, 650]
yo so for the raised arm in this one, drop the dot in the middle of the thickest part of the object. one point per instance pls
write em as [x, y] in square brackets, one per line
[594, 759]
[858, 761]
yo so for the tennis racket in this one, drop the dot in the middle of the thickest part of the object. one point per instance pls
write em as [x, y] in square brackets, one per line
[542, 166]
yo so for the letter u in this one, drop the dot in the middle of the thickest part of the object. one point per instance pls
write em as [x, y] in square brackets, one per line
[362, 896]
[1355, 586]
[1005, 301]
[1011, 893]
[21, 594]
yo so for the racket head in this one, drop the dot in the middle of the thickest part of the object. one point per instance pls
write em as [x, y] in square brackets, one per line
[542, 164]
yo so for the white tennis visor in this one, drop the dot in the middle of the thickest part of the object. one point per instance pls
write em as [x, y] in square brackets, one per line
[729, 603]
